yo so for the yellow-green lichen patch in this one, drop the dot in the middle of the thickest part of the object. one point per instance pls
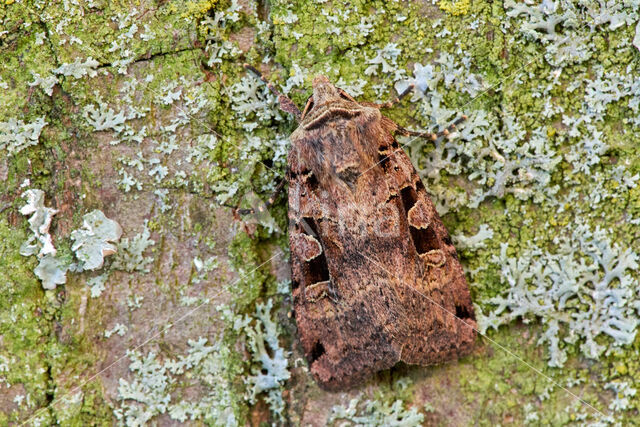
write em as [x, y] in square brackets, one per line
[455, 7]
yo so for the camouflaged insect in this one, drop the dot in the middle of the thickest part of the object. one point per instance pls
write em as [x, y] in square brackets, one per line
[375, 277]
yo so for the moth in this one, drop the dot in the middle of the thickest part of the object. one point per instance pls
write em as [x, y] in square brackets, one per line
[375, 277]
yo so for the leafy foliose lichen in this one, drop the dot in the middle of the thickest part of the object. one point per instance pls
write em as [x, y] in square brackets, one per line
[270, 373]
[372, 413]
[50, 270]
[39, 222]
[156, 381]
[382, 411]
[130, 256]
[582, 289]
[16, 135]
[78, 68]
[94, 241]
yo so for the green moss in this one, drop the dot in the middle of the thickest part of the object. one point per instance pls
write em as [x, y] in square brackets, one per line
[500, 385]
[247, 257]
[24, 326]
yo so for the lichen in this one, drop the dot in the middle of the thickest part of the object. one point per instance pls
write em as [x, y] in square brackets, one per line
[130, 255]
[474, 242]
[51, 270]
[374, 413]
[271, 373]
[95, 240]
[16, 135]
[41, 242]
[456, 7]
[582, 290]
[78, 68]
[153, 389]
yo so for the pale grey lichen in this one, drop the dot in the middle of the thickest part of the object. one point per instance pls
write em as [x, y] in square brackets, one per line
[50, 270]
[134, 302]
[130, 255]
[522, 168]
[564, 26]
[253, 102]
[493, 149]
[386, 58]
[118, 328]
[95, 240]
[46, 83]
[209, 363]
[353, 88]
[128, 182]
[104, 117]
[297, 78]
[162, 199]
[149, 393]
[129, 134]
[624, 395]
[78, 68]
[171, 93]
[96, 284]
[16, 135]
[218, 47]
[158, 171]
[582, 289]
[204, 267]
[156, 382]
[91, 244]
[39, 222]
[373, 413]
[474, 242]
[271, 371]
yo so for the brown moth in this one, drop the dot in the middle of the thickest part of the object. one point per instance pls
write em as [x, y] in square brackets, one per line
[375, 277]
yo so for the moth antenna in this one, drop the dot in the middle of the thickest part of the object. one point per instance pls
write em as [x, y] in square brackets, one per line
[447, 131]
[431, 135]
[286, 104]
[399, 98]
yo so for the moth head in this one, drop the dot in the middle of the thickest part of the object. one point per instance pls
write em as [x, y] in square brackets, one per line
[326, 97]
[323, 91]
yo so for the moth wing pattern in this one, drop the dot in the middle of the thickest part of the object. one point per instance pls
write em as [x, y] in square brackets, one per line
[440, 292]
[376, 278]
